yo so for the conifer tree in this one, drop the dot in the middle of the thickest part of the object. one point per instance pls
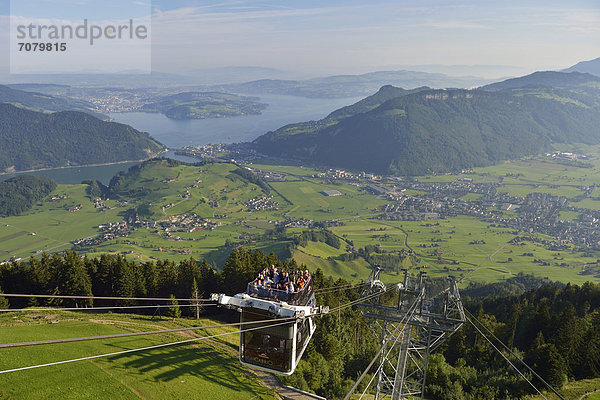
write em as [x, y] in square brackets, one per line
[173, 311]
[3, 301]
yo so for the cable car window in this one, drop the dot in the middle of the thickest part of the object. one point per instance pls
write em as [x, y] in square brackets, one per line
[302, 336]
[268, 347]
[267, 351]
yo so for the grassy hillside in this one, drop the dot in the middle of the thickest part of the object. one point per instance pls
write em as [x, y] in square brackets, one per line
[201, 370]
[31, 140]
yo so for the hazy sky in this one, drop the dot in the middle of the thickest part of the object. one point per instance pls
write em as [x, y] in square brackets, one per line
[345, 36]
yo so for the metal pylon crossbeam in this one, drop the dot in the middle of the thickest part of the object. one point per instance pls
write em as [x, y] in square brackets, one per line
[408, 331]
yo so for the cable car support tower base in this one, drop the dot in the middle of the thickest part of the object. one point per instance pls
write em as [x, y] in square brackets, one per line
[409, 327]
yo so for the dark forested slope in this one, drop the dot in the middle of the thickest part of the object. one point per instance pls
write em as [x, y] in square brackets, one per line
[30, 139]
[18, 194]
[445, 130]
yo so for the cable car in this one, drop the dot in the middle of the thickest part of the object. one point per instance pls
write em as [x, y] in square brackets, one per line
[271, 345]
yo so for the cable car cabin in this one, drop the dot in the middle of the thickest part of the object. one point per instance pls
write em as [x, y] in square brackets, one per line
[271, 345]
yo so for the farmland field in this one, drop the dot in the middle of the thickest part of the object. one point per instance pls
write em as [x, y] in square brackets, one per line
[460, 245]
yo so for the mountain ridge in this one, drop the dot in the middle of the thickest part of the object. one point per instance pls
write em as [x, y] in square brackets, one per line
[30, 140]
[556, 79]
[433, 130]
[42, 102]
[350, 85]
[589, 66]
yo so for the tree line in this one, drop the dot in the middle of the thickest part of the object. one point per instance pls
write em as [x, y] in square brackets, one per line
[116, 276]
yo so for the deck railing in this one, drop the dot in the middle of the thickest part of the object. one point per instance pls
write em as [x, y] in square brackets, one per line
[296, 298]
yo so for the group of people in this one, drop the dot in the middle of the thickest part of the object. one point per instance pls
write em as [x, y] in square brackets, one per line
[279, 279]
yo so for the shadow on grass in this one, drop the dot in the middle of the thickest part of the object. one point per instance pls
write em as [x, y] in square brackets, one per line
[172, 363]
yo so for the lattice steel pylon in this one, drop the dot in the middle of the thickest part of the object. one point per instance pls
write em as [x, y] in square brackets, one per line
[410, 327]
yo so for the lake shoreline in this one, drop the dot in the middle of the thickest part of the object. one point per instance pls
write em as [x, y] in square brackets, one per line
[83, 165]
[175, 134]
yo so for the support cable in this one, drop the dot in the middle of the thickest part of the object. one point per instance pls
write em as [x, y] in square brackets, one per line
[118, 353]
[97, 308]
[409, 314]
[369, 384]
[334, 288]
[517, 357]
[81, 339]
[172, 343]
[506, 358]
[350, 304]
[52, 296]
[122, 335]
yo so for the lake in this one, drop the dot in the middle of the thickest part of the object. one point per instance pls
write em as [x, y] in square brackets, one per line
[103, 173]
[282, 110]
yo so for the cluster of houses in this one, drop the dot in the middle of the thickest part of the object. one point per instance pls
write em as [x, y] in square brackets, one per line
[340, 174]
[561, 155]
[9, 260]
[269, 176]
[176, 223]
[536, 212]
[261, 203]
[187, 223]
[208, 151]
[74, 208]
[291, 222]
[100, 205]
[109, 231]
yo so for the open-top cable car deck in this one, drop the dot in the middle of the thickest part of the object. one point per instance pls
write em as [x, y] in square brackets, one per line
[272, 346]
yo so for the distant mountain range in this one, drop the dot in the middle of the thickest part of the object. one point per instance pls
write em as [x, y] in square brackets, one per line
[41, 102]
[545, 79]
[350, 85]
[257, 81]
[131, 79]
[427, 130]
[32, 140]
[128, 80]
[590, 67]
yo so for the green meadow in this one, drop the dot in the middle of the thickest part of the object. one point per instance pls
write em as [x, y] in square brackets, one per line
[199, 370]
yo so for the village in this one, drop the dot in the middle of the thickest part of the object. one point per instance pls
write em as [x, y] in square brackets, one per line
[176, 223]
[536, 212]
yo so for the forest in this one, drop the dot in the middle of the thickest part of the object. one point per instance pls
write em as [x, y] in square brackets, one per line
[32, 140]
[20, 193]
[555, 328]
